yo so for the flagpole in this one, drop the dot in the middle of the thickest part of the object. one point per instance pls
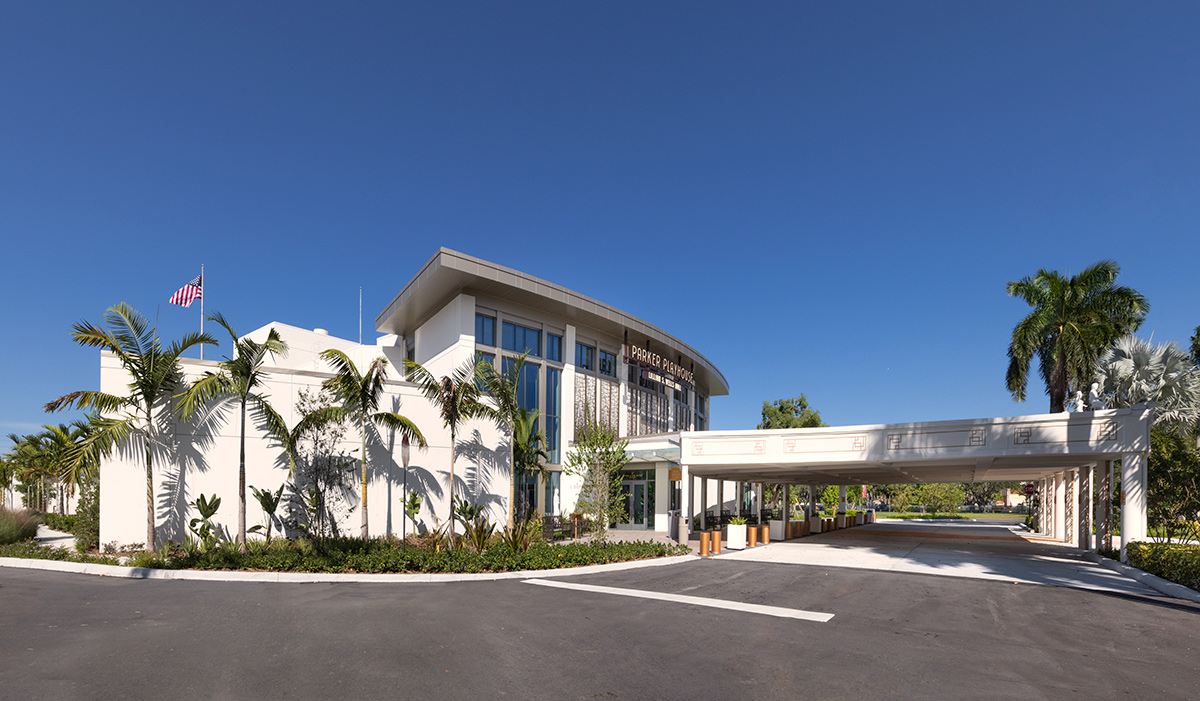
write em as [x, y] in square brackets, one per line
[201, 309]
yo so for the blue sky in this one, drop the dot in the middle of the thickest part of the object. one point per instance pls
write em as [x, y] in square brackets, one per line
[822, 198]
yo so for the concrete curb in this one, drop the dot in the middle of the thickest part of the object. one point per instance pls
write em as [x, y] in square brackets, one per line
[1155, 582]
[314, 577]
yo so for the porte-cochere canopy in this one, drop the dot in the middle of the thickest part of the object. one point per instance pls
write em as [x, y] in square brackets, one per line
[974, 450]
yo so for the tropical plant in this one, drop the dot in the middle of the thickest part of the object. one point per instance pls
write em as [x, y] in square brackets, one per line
[360, 394]
[1074, 320]
[1134, 371]
[528, 449]
[737, 521]
[239, 379]
[87, 516]
[323, 477]
[456, 397]
[598, 458]
[154, 379]
[478, 532]
[520, 535]
[203, 526]
[17, 525]
[504, 389]
[269, 501]
[412, 506]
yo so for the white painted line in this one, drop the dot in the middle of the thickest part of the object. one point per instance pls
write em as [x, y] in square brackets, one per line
[776, 611]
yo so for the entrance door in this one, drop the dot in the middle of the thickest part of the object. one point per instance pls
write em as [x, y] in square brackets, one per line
[634, 493]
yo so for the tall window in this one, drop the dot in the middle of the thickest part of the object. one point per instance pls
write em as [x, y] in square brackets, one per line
[608, 364]
[490, 359]
[701, 412]
[585, 357]
[521, 339]
[553, 415]
[554, 345]
[485, 330]
[553, 492]
[527, 384]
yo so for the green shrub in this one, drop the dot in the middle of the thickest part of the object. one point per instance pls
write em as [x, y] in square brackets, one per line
[17, 525]
[30, 549]
[60, 522]
[87, 517]
[1171, 561]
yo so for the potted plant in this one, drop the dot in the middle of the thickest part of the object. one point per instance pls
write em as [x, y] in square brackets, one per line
[736, 539]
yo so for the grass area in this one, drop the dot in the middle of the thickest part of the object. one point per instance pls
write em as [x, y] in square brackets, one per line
[909, 515]
[31, 550]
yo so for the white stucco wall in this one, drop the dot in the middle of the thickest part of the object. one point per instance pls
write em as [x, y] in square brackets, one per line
[202, 458]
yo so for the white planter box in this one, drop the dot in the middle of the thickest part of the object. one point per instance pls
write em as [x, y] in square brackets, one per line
[815, 524]
[736, 538]
[840, 522]
[776, 530]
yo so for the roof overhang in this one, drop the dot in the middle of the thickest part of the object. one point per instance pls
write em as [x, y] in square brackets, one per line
[974, 450]
[450, 273]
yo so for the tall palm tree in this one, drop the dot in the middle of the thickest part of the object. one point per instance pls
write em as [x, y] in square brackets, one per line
[360, 394]
[154, 379]
[239, 379]
[502, 387]
[456, 397]
[528, 446]
[1135, 371]
[1074, 320]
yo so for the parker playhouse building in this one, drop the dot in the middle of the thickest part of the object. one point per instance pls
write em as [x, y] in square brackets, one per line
[587, 359]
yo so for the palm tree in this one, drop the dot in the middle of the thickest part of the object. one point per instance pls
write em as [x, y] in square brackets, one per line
[502, 388]
[155, 379]
[528, 451]
[1134, 371]
[360, 394]
[456, 397]
[1074, 320]
[239, 379]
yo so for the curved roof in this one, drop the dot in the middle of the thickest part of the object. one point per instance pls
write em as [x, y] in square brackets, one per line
[450, 273]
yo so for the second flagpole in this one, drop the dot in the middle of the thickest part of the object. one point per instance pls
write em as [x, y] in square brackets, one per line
[201, 309]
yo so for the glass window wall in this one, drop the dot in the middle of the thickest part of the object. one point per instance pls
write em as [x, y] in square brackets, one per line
[485, 330]
[521, 339]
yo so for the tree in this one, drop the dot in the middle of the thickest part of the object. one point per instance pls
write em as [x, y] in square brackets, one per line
[1134, 371]
[528, 448]
[790, 413]
[154, 379]
[1074, 320]
[456, 397]
[239, 379]
[360, 394]
[1196, 347]
[323, 476]
[1173, 488]
[905, 496]
[982, 494]
[503, 388]
[598, 458]
[941, 497]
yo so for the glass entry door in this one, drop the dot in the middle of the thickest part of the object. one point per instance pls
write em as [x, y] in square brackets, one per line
[635, 492]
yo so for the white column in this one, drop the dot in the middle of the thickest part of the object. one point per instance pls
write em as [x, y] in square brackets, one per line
[690, 513]
[1060, 510]
[1088, 506]
[842, 497]
[758, 500]
[1133, 502]
[1073, 535]
[812, 500]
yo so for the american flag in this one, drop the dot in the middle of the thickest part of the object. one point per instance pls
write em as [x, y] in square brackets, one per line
[189, 293]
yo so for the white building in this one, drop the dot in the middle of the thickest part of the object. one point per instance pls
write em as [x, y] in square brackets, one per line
[583, 356]
[655, 389]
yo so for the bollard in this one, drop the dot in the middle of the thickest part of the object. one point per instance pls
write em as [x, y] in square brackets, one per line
[766, 535]
[751, 536]
[716, 542]
[704, 536]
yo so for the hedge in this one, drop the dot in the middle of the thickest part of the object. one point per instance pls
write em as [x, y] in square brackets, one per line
[1174, 562]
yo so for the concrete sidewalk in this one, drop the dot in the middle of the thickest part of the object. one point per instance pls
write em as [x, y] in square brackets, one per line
[956, 549]
[55, 539]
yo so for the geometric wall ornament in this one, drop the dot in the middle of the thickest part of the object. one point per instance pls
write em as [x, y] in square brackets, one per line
[978, 437]
[748, 447]
[1022, 434]
[1108, 431]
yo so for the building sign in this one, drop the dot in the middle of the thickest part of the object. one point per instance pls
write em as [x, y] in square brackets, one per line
[648, 359]
[675, 474]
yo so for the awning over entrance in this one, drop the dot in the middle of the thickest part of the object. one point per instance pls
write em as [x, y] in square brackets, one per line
[974, 450]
